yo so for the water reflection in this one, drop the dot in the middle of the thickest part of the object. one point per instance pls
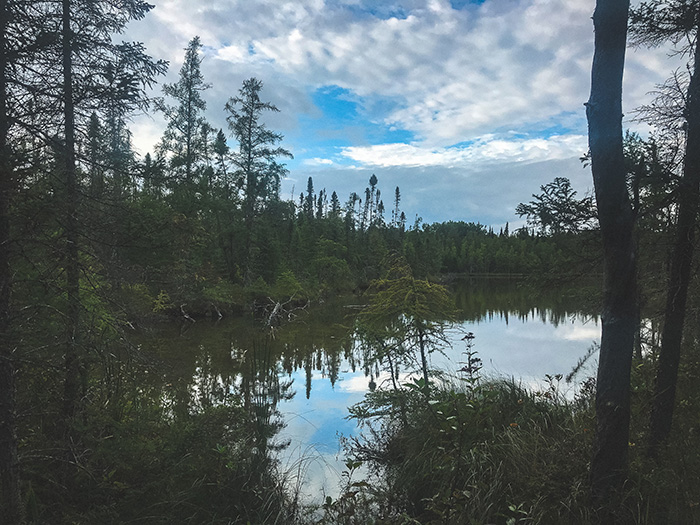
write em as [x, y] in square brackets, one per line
[485, 299]
[520, 331]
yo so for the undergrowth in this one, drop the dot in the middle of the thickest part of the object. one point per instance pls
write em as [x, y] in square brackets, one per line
[494, 451]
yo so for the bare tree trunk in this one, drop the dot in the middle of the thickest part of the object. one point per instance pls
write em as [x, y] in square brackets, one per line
[679, 276]
[10, 496]
[604, 112]
[424, 361]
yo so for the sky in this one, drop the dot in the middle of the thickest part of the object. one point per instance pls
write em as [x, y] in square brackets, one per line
[469, 106]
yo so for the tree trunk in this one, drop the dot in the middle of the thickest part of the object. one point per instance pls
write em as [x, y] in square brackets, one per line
[72, 268]
[679, 275]
[604, 112]
[424, 361]
[10, 495]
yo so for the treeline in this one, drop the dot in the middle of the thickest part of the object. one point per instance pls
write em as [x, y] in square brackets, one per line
[199, 227]
[95, 239]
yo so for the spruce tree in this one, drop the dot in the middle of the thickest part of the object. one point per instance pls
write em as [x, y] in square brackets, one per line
[677, 22]
[256, 160]
[182, 140]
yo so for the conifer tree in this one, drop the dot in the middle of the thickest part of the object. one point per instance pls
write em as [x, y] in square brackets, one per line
[221, 152]
[677, 22]
[182, 138]
[406, 314]
[309, 199]
[320, 204]
[335, 205]
[11, 508]
[95, 155]
[95, 73]
[256, 160]
[395, 213]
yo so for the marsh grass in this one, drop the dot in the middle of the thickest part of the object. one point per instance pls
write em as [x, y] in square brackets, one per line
[495, 451]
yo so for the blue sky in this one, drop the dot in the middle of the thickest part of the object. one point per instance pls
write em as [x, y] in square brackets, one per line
[468, 106]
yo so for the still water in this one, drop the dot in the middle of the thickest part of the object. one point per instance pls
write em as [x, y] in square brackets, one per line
[305, 374]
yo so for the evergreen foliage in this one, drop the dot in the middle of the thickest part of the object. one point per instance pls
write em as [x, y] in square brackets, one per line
[98, 241]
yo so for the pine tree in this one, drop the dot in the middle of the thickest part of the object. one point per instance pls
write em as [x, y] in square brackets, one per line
[95, 155]
[182, 138]
[321, 204]
[395, 213]
[11, 507]
[221, 152]
[678, 22]
[309, 199]
[371, 199]
[335, 205]
[256, 159]
[95, 74]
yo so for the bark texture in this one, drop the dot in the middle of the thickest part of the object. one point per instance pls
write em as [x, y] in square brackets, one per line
[604, 112]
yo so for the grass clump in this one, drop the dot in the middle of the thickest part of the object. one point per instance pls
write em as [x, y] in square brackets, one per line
[492, 452]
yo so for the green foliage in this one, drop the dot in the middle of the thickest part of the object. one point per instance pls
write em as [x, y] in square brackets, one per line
[223, 292]
[201, 225]
[192, 468]
[162, 302]
[287, 286]
[405, 315]
[557, 210]
[399, 295]
[486, 453]
[183, 137]
[494, 451]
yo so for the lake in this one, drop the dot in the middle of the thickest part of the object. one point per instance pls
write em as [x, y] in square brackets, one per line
[301, 378]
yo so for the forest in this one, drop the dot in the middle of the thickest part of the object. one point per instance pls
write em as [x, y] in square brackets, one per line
[100, 245]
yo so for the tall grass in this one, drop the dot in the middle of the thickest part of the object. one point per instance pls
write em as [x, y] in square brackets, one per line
[494, 451]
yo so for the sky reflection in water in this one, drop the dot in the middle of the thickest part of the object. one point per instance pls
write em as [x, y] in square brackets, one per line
[525, 347]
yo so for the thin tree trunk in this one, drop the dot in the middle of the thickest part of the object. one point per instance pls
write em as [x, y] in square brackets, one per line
[424, 361]
[72, 268]
[679, 276]
[10, 494]
[604, 112]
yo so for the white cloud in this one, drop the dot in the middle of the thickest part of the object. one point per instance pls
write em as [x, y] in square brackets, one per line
[459, 74]
[451, 77]
[580, 332]
[486, 151]
[455, 74]
[318, 162]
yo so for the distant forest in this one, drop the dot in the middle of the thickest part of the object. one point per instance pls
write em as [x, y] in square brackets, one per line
[96, 242]
[199, 226]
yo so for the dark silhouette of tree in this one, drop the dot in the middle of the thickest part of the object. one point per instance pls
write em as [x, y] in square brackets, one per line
[11, 507]
[256, 159]
[335, 205]
[653, 23]
[396, 212]
[557, 210]
[321, 204]
[309, 199]
[371, 199]
[604, 112]
[182, 138]
[221, 152]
